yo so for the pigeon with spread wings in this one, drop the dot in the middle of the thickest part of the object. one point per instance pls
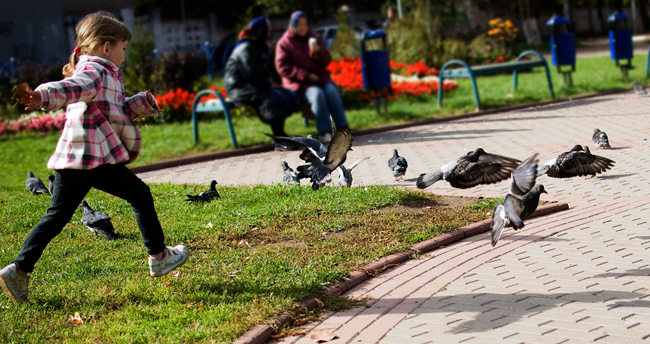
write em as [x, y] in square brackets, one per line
[521, 202]
[475, 168]
[345, 173]
[319, 169]
[304, 142]
[577, 162]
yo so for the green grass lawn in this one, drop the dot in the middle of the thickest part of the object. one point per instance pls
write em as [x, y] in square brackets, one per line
[254, 254]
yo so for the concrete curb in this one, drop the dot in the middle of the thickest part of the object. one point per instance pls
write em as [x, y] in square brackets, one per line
[259, 334]
[267, 148]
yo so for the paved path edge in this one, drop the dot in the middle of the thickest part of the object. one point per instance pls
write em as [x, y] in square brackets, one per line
[269, 147]
[259, 334]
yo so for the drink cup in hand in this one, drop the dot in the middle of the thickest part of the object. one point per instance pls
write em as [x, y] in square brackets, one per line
[313, 44]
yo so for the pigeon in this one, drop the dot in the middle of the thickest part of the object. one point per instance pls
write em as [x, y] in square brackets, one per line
[639, 88]
[319, 169]
[35, 185]
[305, 142]
[345, 174]
[51, 178]
[521, 201]
[397, 165]
[289, 176]
[577, 162]
[600, 139]
[205, 196]
[475, 168]
[98, 222]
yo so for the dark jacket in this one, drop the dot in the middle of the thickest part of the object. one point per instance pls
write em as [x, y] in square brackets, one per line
[294, 62]
[247, 77]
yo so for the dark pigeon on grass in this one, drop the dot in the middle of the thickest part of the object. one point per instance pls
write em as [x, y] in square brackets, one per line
[319, 169]
[51, 178]
[98, 222]
[639, 88]
[35, 185]
[397, 165]
[289, 176]
[521, 201]
[600, 139]
[575, 163]
[205, 196]
[345, 174]
[304, 142]
[475, 168]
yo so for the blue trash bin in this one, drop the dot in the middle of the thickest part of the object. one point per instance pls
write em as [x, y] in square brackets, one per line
[620, 40]
[563, 46]
[375, 65]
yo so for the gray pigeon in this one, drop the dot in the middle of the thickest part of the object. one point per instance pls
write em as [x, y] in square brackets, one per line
[51, 178]
[521, 201]
[305, 142]
[345, 174]
[319, 169]
[600, 139]
[35, 185]
[98, 222]
[397, 165]
[289, 176]
[475, 168]
[577, 162]
[205, 196]
[639, 88]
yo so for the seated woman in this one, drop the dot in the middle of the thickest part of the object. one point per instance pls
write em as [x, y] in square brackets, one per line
[301, 60]
[248, 81]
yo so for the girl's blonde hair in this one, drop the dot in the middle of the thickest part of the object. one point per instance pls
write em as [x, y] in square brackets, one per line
[94, 30]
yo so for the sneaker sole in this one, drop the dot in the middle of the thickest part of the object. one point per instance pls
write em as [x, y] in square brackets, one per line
[9, 294]
[172, 269]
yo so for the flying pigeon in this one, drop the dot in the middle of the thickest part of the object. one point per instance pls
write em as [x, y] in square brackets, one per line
[345, 174]
[305, 142]
[600, 139]
[289, 176]
[397, 165]
[521, 201]
[51, 178]
[477, 167]
[639, 88]
[577, 162]
[205, 196]
[35, 185]
[319, 169]
[98, 222]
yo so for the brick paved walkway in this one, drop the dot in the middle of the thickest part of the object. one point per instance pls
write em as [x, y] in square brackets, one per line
[577, 276]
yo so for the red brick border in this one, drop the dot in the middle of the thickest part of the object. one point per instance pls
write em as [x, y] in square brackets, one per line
[259, 334]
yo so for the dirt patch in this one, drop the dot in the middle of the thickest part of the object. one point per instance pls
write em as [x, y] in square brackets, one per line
[416, 206]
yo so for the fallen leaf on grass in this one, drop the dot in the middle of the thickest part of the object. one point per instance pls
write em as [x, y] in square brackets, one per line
[76, 319]
[299, 322]
[322, 336]
[177, 273]
[319, 303]
[279, 335]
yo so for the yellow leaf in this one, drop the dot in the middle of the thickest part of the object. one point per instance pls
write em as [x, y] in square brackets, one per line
[319, 303]
[76, 319]
[322, 336]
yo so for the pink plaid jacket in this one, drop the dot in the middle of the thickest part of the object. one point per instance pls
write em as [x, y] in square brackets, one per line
[99, 126]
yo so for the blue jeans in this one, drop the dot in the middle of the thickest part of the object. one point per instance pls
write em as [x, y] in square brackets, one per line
[326, 101]
[288, 100]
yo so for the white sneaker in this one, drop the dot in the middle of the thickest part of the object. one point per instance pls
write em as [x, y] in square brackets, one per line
[14, 285]
[173, 257]
[325, 138]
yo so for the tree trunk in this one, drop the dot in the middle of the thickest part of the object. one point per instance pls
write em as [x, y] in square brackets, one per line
[590, 13]
[601, 16]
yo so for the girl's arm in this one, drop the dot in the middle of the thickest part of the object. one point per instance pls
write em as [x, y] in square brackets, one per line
[141, 105]
[81, 87]
[285, 67]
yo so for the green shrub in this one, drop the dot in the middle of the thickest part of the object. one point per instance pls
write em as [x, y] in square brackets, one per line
[139, 69]
[179, 69]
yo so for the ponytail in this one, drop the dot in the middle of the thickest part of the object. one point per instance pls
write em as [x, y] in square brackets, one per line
[68, 69]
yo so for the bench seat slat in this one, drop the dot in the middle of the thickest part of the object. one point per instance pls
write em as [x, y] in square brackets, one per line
[493, 69]
[213, 105]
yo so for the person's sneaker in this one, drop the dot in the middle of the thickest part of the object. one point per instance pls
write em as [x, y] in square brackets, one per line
[285, 145]
[14, 285]
[325, 137]
[172, 258]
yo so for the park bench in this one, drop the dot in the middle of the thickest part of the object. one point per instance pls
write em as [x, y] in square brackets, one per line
[497, 68]
[225, 105]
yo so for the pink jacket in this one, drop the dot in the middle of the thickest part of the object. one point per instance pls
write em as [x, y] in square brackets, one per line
[294, 62]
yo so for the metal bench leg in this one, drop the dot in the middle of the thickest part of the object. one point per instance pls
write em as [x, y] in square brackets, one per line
[478, 101]
[548, 78]
[230, 128]
[195, 125]
[306, 122]
[647, 63]
[441, 80]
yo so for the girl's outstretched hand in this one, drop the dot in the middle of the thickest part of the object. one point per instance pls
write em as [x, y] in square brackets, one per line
[34, 100]
[150, 99]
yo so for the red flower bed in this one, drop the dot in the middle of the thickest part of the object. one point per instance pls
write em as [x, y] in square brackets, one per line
[346, 73]
[178, 97]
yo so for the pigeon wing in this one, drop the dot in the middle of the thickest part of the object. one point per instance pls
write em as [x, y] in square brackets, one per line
[575, 164]
[524, 176]
[474, 174]
[354, 164]
[305, 142]
[513, 207]
[105, 228]
[338, 149]
[499, 222]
